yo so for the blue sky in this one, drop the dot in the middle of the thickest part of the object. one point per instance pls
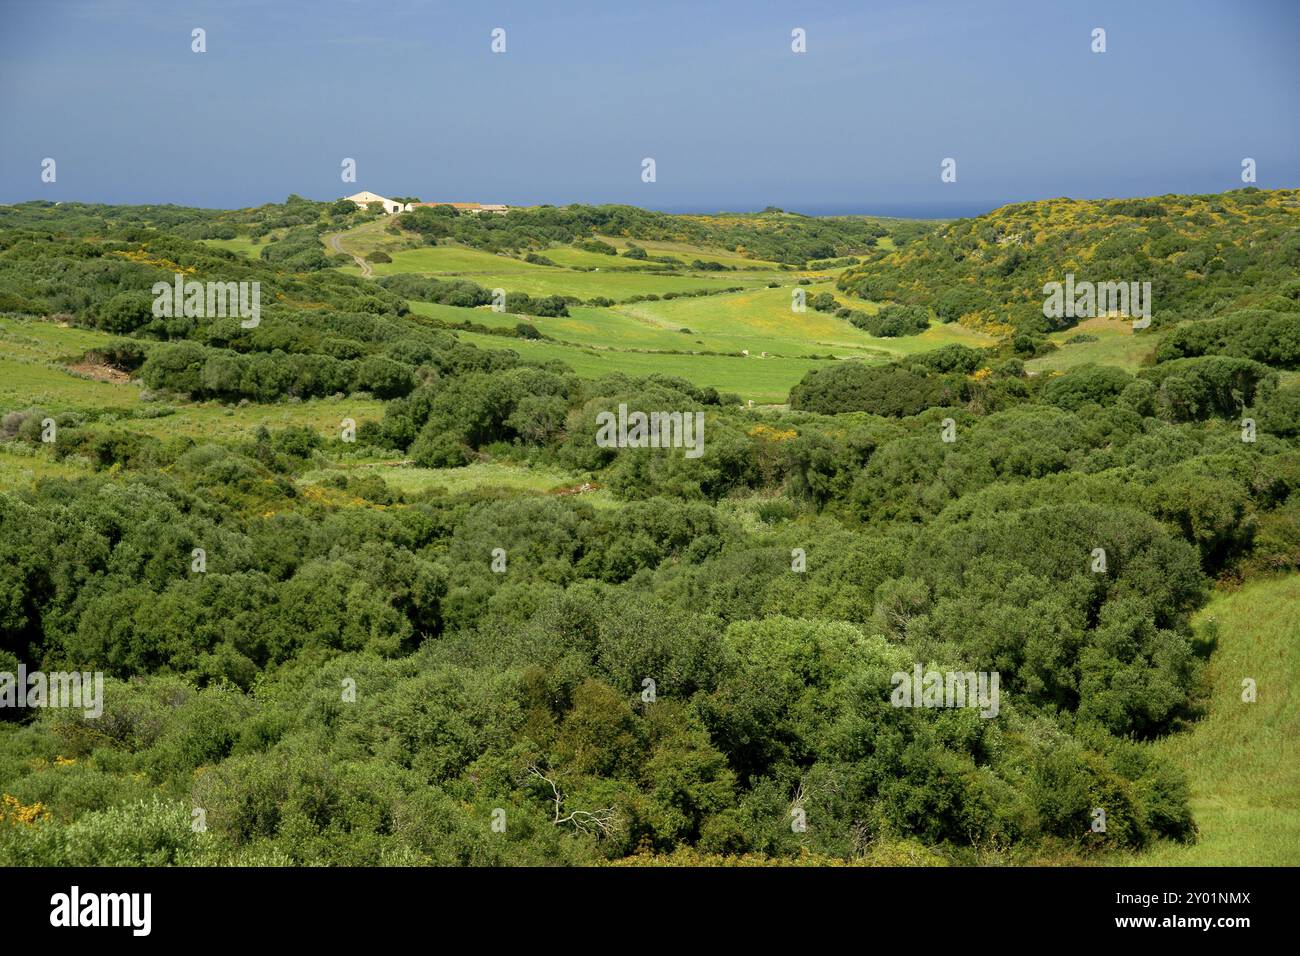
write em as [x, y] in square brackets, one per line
[733, 118]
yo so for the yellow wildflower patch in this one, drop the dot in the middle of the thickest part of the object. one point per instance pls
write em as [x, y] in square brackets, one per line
[767, 433]
[143, 257]
[14, 811]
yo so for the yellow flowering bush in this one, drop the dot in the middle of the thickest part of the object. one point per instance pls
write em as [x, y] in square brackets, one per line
[13, 811]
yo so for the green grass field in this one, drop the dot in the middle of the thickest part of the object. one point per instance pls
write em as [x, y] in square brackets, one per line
[615, 277]
[243, 245]
[762, 320]
[1116, 345]
[514, 275]
[33, 373]
[623, 328]
[596, 340]
[766, 381]
[45, 340]
[33, 370]
[1243, 760]
[19, 469]
[686, 252]
[480, 475]
[213, 421]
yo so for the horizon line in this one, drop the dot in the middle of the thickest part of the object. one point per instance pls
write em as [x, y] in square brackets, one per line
[921, 208]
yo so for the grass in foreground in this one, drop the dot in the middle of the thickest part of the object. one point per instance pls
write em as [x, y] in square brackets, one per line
[1243, 760]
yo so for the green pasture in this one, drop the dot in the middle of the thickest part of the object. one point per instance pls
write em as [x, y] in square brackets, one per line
[758, 320]
[1242, 760]
[21, 467]
[212, 421]
[243, 245]
[1117, 344]
[569, 255]
[480, 475]
[514, 275]
[762, 320]
[766, 381]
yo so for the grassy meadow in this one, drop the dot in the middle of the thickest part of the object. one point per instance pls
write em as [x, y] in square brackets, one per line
[753, 378]
[1243, 759]
[1116, 344]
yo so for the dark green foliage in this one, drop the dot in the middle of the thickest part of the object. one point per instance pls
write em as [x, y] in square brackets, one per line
[595, 245]
[1281, 414]
[126, 312]
[1272, 338]
[882, 390]
[1196, 388]
[300, 251]
[1087, 384]
[892, 321]
[383, 377]
[454, 292]
[824, 302]
[552, 305]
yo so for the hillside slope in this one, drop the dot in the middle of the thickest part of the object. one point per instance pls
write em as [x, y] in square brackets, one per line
[1202, 255]
[1243, 760]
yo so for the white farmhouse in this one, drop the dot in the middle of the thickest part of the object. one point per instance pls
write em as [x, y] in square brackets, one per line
[390, 206]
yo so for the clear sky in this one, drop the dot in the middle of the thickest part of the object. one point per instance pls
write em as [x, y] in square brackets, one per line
[712, 91]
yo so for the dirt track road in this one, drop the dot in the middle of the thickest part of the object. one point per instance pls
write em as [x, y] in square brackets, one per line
[338, 247]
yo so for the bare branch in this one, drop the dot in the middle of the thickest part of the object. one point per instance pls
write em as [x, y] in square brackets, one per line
[603, 821]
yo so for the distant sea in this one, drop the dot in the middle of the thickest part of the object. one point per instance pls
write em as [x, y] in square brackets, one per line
[900, 210]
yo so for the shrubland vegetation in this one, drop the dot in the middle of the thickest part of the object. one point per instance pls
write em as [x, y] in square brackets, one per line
[774, 236]
[1205, 257]
[349, 680]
